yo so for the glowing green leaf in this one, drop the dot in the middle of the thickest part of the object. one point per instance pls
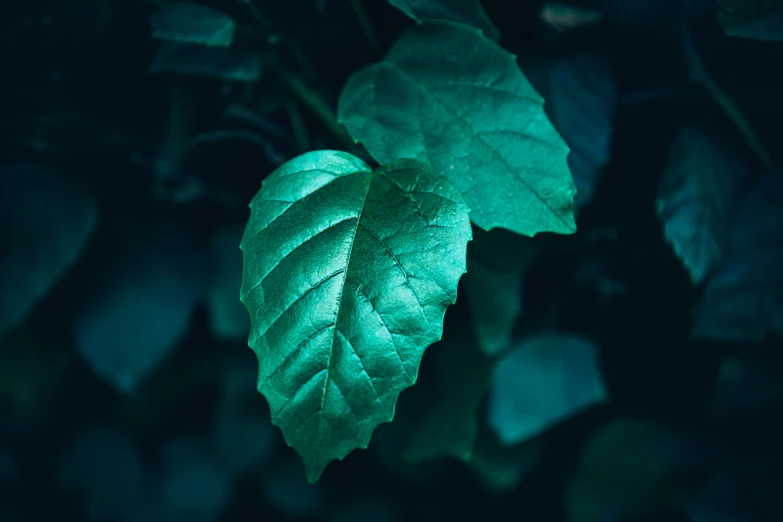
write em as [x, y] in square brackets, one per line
[347, 276]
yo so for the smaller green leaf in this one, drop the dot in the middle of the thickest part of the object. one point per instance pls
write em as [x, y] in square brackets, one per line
[468, 12]
[448, 96]
[464, 375]
[546, 379]
[188, 22]
[224, 63]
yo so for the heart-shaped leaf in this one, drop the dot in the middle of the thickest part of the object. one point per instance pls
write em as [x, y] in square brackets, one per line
[188, 22]
[347, 276]
[696, 199]
[744, 299]
[447, 95]
[543, 381]
[467, 12]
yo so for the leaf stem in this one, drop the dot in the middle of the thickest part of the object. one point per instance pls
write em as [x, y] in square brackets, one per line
[315, 103]
[698, 73]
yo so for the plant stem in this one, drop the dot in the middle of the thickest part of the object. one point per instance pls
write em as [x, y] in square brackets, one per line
[316, 104]
[364, 23]
[699, 74]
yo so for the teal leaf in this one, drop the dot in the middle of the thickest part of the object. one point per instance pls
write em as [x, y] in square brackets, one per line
[581, 101]
[630, 468]
[468, 12]
[696, 200]
[228, 319]
[47, 222]
[447, 95]
[754, 19]
[347, 275]
[224, 63]
[188, 22]
[141, 308]
[743, 300]
[543, 381]
[463, 376]
[497, 263]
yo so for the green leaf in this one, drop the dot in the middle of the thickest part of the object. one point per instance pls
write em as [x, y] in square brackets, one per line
[188, 22]
[546, 379]
[463, 375]
[497, 262]
[696, 199]
[468, 12]
[447, 95]
[347, 276]
[224, 63]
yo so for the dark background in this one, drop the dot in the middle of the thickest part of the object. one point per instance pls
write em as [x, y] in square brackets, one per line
[75, 75]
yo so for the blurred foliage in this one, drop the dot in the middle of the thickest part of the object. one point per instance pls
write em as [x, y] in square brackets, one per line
[133, 138]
